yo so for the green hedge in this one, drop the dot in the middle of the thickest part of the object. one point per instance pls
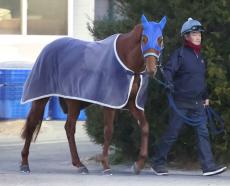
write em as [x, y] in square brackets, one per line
[216, 48]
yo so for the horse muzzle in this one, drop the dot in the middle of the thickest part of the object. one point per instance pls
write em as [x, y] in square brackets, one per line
[151, 65]
[152, 72]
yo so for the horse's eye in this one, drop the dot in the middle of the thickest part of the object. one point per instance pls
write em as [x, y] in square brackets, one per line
[144, 39]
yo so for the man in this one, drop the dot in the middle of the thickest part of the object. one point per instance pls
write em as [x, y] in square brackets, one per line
[186, 72]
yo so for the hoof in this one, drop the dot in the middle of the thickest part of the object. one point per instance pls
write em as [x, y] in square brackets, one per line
[83, 170]
[24, 169]
[136, 169]
[107, 172]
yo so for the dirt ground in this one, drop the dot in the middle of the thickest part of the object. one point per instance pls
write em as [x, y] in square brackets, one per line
[14, 127]
[11, 127]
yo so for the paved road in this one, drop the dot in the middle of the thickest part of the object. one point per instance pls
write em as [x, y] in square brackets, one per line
[51, 165]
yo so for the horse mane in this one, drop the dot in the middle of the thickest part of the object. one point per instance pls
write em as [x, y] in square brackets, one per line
[137, 30]
[129, 49]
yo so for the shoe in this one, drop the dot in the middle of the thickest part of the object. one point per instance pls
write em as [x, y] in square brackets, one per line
[214, 171]
[160, 170]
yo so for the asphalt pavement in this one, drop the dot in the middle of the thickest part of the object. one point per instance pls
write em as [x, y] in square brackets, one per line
[50, 162]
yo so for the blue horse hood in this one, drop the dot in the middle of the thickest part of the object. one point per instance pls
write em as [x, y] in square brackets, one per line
[87, 71]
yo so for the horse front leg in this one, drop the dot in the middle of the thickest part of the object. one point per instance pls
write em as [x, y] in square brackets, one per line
[109, 115]
[70, 127]
[144, 125]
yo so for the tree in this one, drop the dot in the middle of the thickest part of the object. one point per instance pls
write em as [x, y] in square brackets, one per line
[216, 48]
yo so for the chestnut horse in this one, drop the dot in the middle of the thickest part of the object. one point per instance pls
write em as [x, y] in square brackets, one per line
[139, 51]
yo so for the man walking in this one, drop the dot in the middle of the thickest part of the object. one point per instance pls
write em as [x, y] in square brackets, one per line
[186, 72]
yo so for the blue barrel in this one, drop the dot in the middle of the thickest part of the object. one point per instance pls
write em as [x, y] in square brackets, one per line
[12, 79]
[56, 113]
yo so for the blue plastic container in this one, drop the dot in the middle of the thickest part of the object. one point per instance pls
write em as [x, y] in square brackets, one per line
[11, 86]
[13, 75]
[56, 113]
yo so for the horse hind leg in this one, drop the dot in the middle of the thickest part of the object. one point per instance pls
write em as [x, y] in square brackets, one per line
[73, 108]
[63, 105]
[31, 130]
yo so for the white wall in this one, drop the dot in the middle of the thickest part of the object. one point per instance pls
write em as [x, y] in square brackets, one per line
[22, 48]
[82, 14]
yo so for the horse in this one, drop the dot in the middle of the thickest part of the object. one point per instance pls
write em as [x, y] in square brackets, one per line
[136, 55]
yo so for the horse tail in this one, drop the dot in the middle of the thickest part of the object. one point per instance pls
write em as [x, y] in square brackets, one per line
[37, 130]
[26, 131]
[33, 123]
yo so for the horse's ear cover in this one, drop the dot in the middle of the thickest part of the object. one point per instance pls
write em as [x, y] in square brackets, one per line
[163, 22]
[144, 20]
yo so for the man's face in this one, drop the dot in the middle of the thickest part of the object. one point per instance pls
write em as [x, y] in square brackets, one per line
[194, 37]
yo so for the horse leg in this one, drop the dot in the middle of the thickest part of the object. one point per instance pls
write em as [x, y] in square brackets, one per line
[142, 121]
[33, 122]
[109, 115]
[70, 127]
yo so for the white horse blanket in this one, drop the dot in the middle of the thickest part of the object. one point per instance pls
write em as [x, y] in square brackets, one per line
[87, 71]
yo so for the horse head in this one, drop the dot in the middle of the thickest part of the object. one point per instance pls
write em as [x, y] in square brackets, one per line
[152, 43]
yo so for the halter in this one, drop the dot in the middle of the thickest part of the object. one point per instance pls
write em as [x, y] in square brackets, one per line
[151, 54]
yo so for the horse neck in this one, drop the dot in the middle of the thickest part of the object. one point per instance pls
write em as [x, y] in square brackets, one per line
[129, 49]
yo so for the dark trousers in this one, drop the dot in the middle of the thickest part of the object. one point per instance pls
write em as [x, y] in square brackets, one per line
[171, 134]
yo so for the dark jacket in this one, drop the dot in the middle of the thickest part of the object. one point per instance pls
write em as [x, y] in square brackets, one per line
[186, 71]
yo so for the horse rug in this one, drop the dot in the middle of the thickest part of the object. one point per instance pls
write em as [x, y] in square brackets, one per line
[82, 70]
